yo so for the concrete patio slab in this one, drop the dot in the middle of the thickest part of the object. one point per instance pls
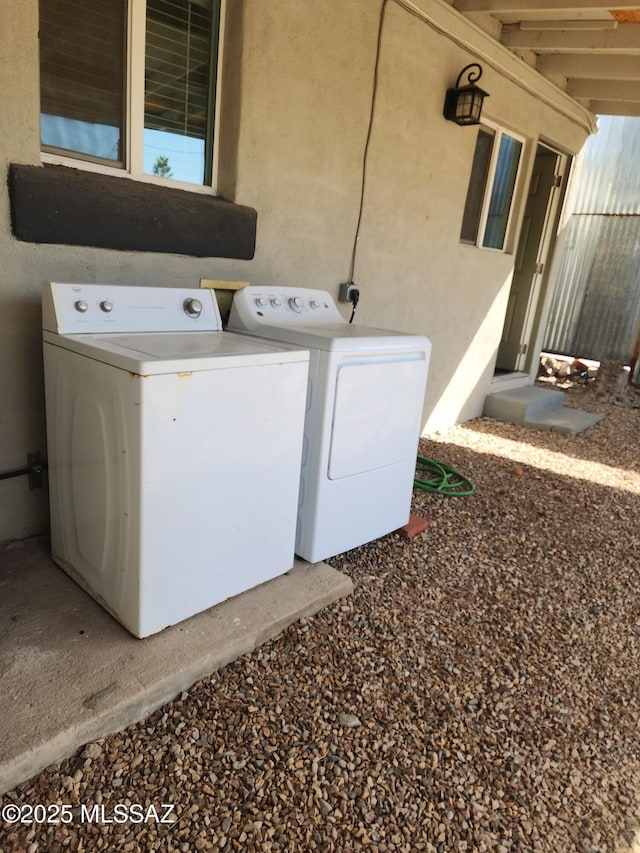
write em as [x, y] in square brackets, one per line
[70, 673]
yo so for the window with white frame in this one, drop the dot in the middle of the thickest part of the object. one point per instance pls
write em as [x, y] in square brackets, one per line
[131, 84]
[494, 172]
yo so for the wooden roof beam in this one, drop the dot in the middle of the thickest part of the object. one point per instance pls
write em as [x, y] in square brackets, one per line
[626, 38]
[615, 108]
[561, 24]
[524, 6]
[590, 66]
[604, 90]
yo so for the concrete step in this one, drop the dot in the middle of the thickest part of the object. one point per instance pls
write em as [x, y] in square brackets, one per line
[521, 404]
[569, 421]
[538, 408]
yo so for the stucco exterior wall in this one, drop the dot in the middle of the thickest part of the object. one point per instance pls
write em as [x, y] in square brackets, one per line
[296, 98]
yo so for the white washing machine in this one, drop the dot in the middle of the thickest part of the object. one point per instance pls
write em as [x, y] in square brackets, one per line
[364, 411]
[173, 449]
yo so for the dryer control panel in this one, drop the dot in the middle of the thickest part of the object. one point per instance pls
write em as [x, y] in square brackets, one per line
[262, 305]
[92, 308]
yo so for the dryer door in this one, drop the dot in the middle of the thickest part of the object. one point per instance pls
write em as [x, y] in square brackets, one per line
[377, 412]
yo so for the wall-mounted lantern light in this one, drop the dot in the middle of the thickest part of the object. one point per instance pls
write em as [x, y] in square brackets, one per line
[464, 103]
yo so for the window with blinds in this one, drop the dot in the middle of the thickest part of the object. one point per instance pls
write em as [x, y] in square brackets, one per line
[181, 36]
[84, 78]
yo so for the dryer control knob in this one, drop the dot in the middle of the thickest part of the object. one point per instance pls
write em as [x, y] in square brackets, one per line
[106, 306]
[296, 303]
[261, 301]
[314, 304]
[275, 302]
[81, 306]
[192, 307]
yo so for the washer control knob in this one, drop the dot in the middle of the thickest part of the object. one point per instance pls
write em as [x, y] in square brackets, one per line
[296, 303]
[81, 306]
[192, 307]
[314, 304]
[275, 302]
[261, 301]
[106, 306]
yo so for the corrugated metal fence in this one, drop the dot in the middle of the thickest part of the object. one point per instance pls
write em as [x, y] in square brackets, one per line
[595, 310]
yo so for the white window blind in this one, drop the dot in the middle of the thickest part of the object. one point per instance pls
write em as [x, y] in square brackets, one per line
[181, 36]
[82, 74]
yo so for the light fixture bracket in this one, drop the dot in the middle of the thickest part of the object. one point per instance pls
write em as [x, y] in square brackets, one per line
[463, 104]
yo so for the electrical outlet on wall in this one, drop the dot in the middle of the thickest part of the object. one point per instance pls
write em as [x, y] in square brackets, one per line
[347, 291]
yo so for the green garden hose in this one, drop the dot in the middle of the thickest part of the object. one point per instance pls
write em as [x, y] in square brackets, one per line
[441, 479]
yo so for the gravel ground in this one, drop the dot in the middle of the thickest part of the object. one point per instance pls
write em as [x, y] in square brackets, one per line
[478, 692]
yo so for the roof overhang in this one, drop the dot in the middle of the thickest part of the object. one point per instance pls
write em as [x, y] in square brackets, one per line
[586, 48]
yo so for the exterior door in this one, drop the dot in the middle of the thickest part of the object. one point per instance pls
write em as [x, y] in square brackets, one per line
[530, 261]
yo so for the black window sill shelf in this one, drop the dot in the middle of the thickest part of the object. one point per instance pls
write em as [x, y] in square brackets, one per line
[57, 204]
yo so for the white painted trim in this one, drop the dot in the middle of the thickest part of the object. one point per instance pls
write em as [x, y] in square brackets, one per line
[215, 166]
[500, 131]
[135, 86]
[101, 169]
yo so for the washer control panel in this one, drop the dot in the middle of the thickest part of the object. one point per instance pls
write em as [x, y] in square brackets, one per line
[69, 309]
[262, 305]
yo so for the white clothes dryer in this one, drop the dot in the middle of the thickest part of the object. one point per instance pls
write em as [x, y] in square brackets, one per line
[364, 410]
[173, 450]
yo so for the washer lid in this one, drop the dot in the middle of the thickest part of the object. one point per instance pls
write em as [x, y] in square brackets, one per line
[152, 353]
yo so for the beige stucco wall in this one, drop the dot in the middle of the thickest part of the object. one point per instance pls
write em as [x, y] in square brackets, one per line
[295, 110]
[414, 273]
